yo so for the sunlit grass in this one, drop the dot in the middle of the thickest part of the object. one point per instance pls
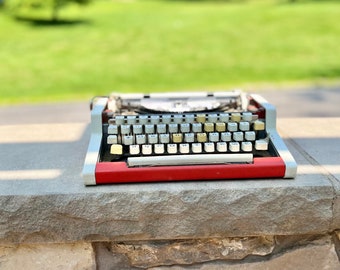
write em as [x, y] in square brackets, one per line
[167, 45]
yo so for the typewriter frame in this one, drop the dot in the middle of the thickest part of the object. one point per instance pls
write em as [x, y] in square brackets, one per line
[95, 172]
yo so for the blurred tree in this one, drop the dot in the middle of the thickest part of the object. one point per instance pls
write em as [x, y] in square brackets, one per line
[53, 5]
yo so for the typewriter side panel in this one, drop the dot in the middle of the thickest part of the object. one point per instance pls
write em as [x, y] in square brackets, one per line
[281, 148]
[92, 155]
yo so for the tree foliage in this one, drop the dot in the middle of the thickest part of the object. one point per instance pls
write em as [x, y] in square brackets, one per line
[54, 6]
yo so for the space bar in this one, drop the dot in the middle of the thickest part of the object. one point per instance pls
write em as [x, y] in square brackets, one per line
[199, 159]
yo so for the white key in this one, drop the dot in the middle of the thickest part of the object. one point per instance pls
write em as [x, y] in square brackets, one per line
[112, 129]
[120, 119]
[178, 118]
[149, 128]
[185, 127]
[128, 140]
[189, 137]
[212, 118]
[137, 129]
[112, 139]
[131, 119]
[214, 136]
[232, 126]
[166, 118]
[152, 138]
[154, 119]
[173, 128]
[238, 136]
[143, 119]
[164, 138]
[247, 116]
[234, 147]
[172, 148]
[134, 149]
[196, 148]
[246, 146]
[189, 118]
[261, 145]
[221, 147]
[196, 127]
[184, 148]
[161, 128]
[125, 129]
[147, 149]
[140, 139]
[189, 159]
[209, 147]
[244, 126]
[226, 136]
[250, 135]
[224, 117]
[159, 148]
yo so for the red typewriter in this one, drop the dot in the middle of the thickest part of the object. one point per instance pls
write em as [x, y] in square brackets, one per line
[184, 137]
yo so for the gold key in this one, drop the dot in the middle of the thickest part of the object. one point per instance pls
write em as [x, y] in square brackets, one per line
[220, 127]
[116, 149]
[200, 118]
[209, 127]
[201, 137]
[177, 137]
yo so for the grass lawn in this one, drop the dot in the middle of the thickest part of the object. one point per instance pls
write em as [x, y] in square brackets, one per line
[166, 46]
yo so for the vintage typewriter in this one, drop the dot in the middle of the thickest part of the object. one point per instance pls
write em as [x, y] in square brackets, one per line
[184, 136]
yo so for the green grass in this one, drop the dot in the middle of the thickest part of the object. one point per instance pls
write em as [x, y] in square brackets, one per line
[168, 45]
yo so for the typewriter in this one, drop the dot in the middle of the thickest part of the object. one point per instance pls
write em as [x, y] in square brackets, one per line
[184, 136]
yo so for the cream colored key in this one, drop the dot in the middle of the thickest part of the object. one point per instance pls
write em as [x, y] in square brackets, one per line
[159, 148]
[172, 148]
[209, 147]
[221, 147]
[201, 137]
[147, 149]
[196, 148]
[235, 117]
[116, 149]
[234, 147]
[134, 149]
[209, 127]
[184, 148]
[246, 146]
[177, 137]
[112, 139]
[200, 118]
[261, 145]
[259, 125]
[220, 127]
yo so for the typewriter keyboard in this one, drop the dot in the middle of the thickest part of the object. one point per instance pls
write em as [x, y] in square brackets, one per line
[173, 139]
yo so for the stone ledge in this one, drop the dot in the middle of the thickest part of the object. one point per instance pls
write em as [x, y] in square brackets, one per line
[58, 208]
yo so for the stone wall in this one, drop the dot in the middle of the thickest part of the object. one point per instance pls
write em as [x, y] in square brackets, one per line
[254, 253]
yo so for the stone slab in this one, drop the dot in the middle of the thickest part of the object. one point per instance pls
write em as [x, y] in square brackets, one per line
[43, 198]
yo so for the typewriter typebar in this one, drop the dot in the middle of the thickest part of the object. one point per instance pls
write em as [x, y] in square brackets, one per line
[184, 136]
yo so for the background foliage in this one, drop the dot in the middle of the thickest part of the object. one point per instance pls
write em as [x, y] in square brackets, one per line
[166, 46]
